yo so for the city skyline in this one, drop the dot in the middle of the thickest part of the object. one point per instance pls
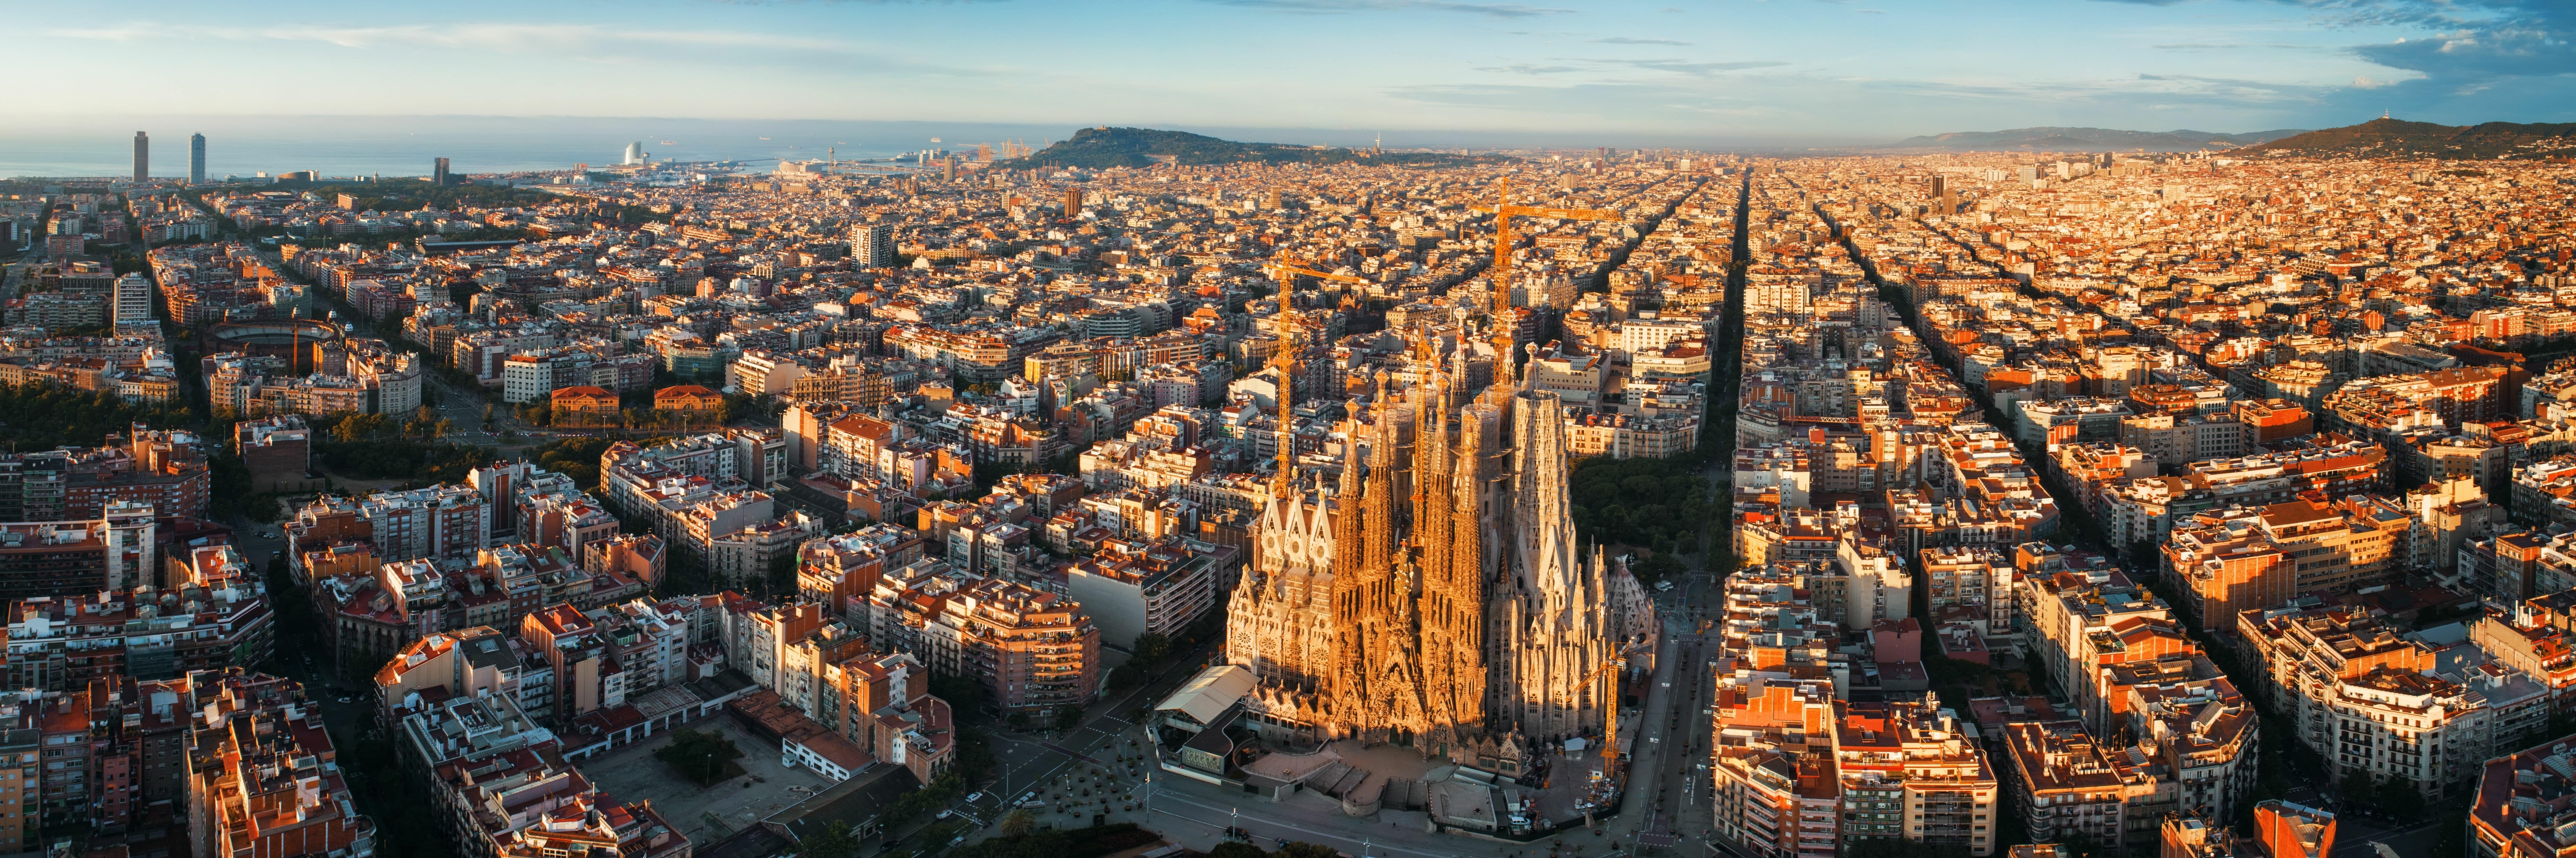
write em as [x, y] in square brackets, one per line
[1445, 73]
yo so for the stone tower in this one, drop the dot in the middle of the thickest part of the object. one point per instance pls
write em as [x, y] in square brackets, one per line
[1550, 611]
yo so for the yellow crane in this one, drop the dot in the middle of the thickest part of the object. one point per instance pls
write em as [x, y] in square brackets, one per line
[1283, 268]
[1610, 710]
[1500, 273]
[1504, 211]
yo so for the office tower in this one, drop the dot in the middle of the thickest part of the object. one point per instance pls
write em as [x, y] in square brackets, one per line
[142, 157]
[438, 173]
[133, 294]
[196, 159]
[634, 153]
[948, 170]
[871, 245]
[1072, 203]
[1940, 187]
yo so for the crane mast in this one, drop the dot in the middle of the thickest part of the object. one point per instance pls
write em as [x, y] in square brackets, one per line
[1500, 272]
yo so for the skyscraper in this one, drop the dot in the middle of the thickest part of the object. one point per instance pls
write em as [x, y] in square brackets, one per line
[438, 173]
[196, 159]
[133, 300]
[634, 153]
[871, 245]
[142, 157]
[1072, 203]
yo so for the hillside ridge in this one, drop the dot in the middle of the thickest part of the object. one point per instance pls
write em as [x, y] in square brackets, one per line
[1103, 147]
[2402, 138]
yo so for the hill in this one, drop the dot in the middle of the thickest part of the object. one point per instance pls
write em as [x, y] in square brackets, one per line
[2050, 139]
[1104, 147]
[2402, 139]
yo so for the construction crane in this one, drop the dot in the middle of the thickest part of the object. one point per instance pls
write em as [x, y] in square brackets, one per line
[1282, 269]
[1610, 704]
[1503, 212]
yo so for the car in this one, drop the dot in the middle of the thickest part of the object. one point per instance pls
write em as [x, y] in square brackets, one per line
[268, 536]
[974, 797]
[886, 847]
[944, 814]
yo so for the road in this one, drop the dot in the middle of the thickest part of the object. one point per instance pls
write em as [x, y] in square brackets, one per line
[1671, 766]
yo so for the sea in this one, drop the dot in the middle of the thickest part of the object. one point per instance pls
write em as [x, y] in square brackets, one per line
[406, 146]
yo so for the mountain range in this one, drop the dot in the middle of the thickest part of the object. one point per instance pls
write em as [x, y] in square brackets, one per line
[2399, 138]
[1104, 147]
[2054, 139]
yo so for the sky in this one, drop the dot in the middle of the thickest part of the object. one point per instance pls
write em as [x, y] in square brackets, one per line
[1420, 72]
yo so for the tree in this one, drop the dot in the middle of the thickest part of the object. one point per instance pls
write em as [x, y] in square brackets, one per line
[1236, 849]
[2357, 788]
[1020, 720]
[781, 576]
[2082, 845]
[2145, 557]
[703, 757]
[1068, 717]
[1125, 676]
[1892, 847]
[1656, 568]
[1019, 823]
[2399, 798]
[834, 841]
[1151, 648]
[1303, 849]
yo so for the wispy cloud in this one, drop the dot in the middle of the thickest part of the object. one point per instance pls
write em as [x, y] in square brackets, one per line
[1680, 67]
[1336, 7]
[486, 36]
[592, 43]
[1624, 40]
[1525, 68]
[2227, 46]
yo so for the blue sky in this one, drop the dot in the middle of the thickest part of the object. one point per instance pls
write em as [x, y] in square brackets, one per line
[1668, 72]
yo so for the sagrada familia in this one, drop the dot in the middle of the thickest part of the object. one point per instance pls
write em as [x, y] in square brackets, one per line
[1436, 596]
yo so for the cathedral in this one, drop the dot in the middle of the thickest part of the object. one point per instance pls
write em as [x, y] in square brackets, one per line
[1433, 594]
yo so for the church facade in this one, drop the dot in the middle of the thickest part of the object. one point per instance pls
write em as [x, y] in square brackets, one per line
[1435, 594]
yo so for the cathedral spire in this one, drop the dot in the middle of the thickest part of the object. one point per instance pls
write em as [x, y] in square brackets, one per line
[1379, 497]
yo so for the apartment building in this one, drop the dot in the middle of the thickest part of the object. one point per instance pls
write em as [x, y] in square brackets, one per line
[2371, 701]
[1036, 651]
[144, 632]
[64, 559]
[264, 778]
[1909, 773]
[1132, 588]
[2065, 784]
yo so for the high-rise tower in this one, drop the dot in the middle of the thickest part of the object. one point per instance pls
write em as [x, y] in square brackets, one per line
[196, 159]
[438, 172]
[142, 157]
[871, 245]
